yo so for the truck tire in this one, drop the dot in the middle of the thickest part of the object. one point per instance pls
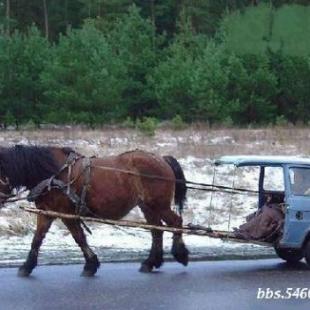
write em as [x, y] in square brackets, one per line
[291, 256]
[307, 252]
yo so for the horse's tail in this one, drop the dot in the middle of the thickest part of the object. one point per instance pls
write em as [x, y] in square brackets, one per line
[180, 184]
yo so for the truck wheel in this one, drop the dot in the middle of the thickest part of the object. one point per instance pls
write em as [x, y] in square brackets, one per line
[291, 256]
[307, 252]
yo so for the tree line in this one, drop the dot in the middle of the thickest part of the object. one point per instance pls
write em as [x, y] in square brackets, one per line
[95, 62]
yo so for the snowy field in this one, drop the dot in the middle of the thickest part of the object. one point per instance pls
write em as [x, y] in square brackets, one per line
[195, 149]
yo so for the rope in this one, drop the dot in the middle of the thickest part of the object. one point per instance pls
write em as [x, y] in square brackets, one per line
[203, 186]
[211, 198]
[231, 201]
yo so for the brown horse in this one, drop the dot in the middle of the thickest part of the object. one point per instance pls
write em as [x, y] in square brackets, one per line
[111, 194]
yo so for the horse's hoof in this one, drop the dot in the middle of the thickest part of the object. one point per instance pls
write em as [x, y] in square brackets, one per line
[88, 273]
[146, 268]
[23, 272]
[183, 259]
[158, 263]
[180, 253]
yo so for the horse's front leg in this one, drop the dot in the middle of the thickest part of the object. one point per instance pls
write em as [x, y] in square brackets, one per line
[43, 224]
[92, 263]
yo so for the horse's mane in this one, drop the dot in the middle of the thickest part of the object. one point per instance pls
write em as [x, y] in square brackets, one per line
[28, 165]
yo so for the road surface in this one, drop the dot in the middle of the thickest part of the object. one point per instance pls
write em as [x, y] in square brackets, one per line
[201, 285]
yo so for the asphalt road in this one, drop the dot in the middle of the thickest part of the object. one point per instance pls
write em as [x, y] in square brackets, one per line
[201, 285]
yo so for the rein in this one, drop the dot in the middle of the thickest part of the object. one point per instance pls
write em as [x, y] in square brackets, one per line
[72, 159]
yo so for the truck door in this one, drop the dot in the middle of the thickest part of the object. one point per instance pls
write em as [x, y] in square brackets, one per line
[297, 217]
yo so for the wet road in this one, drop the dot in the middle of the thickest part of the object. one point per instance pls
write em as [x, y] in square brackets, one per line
[201, 285]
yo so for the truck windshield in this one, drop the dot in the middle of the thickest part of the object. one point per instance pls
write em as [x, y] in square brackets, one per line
[300, 181]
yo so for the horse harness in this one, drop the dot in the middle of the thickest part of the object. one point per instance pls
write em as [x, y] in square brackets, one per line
[79, 201]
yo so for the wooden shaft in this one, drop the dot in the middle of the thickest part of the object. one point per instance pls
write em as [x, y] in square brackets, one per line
[106, 221]
[187, 230]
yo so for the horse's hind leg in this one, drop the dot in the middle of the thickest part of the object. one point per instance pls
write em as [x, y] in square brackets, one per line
[43, 225]
[92, 263]
[155, 258]
[178, 250]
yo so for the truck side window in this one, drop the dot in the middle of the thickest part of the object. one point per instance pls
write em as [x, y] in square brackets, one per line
[274, 179]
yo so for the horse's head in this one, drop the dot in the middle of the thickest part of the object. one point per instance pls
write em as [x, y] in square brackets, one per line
[27, 166]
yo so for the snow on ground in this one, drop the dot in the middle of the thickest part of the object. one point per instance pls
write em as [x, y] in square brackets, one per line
[194, 150]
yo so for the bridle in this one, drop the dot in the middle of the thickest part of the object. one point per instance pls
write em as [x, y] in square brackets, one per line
[4, 181]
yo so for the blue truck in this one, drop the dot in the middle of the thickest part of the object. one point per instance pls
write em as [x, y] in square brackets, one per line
[293, 195]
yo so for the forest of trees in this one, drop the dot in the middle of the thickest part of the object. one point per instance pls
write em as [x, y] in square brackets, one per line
[94, 62]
